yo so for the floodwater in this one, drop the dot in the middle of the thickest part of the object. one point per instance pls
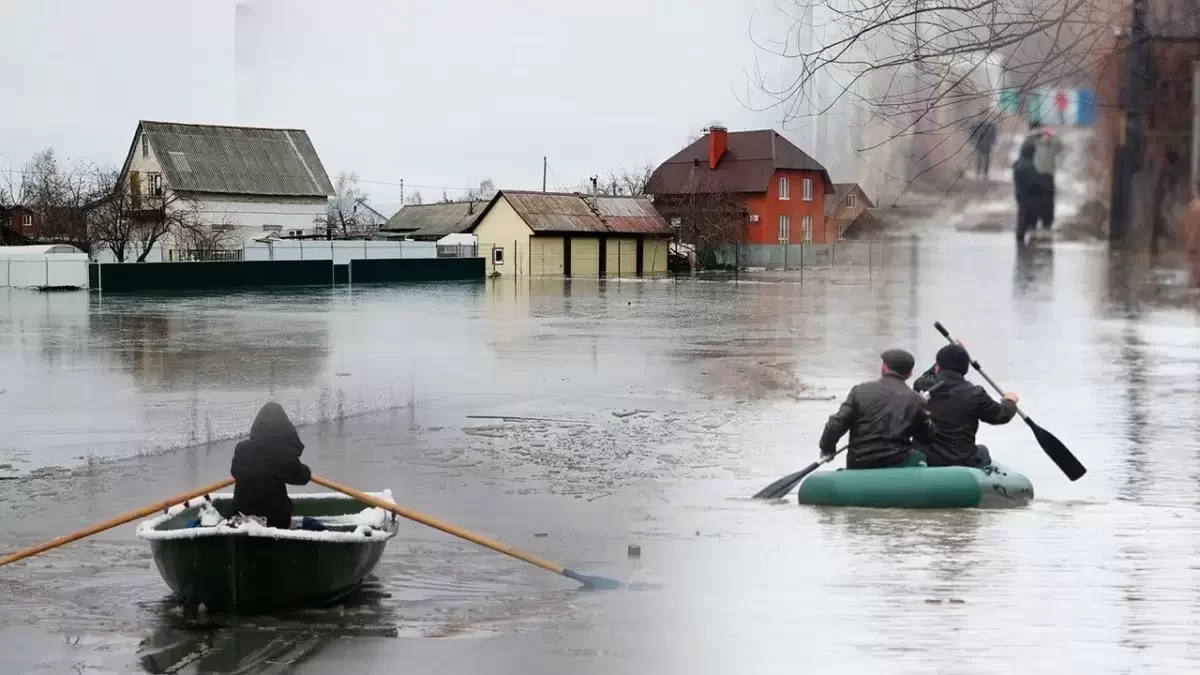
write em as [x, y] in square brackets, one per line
[663, 405]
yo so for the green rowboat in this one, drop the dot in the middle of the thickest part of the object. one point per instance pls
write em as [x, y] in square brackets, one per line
[240, 566]
[918, 487]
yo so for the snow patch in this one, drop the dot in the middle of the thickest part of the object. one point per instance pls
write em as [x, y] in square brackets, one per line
[370, 524]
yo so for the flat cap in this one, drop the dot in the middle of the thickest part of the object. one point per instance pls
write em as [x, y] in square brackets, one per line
[898, 361]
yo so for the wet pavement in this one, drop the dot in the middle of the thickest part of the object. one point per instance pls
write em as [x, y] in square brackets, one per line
[664, 405]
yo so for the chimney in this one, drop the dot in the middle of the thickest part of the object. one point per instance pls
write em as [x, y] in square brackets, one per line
[718, 137]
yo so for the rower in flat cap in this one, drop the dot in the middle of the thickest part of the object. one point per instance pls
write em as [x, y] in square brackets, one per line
[883, 417]
[957, 408]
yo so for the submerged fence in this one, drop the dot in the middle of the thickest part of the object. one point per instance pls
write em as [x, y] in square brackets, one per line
[865, 253]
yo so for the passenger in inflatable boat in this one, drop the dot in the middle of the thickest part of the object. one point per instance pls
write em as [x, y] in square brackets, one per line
[264, 465]
[957, 407]
[883, 417]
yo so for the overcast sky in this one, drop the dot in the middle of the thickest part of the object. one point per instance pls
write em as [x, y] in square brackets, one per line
[440, 94]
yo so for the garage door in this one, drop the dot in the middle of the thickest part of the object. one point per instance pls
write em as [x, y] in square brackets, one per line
[585, 257]
[546, 256]
[621, 257]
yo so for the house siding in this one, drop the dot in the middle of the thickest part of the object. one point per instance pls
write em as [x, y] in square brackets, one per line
[769, 207]
[585, 257]
[503, 228]
[654, 258]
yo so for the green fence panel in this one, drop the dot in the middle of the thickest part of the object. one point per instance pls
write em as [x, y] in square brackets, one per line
[201, 276]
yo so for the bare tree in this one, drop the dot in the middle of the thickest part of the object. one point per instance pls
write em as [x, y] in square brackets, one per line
[130, 221]
[705, 216]
[416, 199]
[626, 183]
[56, 194]
[349, 213]
[484, 192]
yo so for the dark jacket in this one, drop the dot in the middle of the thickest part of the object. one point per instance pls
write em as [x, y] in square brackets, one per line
[1028, 186]
[265, 464]
[957, 408]
[883, 417]
[984, 135]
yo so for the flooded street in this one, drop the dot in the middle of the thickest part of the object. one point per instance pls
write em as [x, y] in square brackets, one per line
[661, 406]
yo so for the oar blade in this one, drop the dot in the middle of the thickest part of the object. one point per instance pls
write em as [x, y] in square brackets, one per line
[1057, 452]
[780, 486]
[592, 580]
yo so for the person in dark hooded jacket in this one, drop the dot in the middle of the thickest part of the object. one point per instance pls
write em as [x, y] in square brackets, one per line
[957, 407]
[265, 464]
[1029, 190]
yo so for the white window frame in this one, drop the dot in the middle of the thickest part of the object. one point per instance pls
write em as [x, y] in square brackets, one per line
[807, 190]
[154, 184]
[785, 188]
[497, 255]
[785, 229]
[27, 220]
[851, 200]
[145, 146]
[806, 223]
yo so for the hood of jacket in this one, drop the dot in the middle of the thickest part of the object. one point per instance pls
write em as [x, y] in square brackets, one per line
[273, 426]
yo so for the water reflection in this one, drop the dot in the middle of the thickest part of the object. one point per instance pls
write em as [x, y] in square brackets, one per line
[175, 347]
[1137, 424]
[184, 643]
[1033, 269]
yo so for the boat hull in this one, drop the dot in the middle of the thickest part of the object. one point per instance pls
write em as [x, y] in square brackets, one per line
[260, 570]
[950, 487]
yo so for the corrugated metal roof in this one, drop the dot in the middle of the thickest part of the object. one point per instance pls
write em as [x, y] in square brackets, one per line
[435, 219]
[750, 159]
[236, 160]
[576, 213]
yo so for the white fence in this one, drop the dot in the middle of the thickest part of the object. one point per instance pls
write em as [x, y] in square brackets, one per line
[340, 252]
[57, 270]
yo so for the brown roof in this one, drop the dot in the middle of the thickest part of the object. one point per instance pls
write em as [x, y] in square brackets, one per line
[435, 219]
[554, 212]
[840, 190]
[750, 160]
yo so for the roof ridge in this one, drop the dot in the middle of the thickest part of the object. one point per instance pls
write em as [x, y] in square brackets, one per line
[222, 126]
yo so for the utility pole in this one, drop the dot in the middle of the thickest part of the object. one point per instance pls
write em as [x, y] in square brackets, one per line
[1128, 153]
[401, 192]
[543, 173]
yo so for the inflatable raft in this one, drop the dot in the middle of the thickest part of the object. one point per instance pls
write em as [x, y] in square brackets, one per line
[918, 487]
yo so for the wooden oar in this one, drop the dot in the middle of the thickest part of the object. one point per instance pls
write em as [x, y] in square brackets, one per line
[585, 579]
[781, 487]
[114, 522]
[1054, 448]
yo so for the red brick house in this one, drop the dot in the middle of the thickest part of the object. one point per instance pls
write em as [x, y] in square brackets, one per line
[21, 220]
[778, 192]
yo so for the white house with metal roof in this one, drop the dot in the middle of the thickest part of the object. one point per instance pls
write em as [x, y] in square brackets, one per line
[243, 180]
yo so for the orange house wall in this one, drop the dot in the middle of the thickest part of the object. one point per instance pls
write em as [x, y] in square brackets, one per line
[768, 207]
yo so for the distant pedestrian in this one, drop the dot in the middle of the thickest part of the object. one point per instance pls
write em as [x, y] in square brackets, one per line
[1028, 189]
[1046, 149]
[984, 136]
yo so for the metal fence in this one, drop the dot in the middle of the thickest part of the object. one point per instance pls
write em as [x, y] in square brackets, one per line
[201, 255]
[846, 253]
[458, 251]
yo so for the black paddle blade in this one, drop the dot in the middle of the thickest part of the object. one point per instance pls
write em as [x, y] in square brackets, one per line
[1057, 452]
[784, 485]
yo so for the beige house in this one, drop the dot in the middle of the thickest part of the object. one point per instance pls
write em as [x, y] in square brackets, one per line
[843, 207]
[572, 235]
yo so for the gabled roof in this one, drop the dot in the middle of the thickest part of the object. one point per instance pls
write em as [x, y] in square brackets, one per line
[840, 190]
[750, 160]
[436, 219]
[575, 213]
[234, 160]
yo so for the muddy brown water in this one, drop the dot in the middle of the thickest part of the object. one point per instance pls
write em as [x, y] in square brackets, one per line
[688, 397]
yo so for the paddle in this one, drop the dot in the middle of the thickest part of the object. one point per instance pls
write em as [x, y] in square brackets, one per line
[781, 487]
[114, 522]
[585, 579]
[1053, 447]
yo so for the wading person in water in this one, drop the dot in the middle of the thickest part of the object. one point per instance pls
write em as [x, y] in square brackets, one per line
[883, 417]
[957, 407]
[265, 464]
